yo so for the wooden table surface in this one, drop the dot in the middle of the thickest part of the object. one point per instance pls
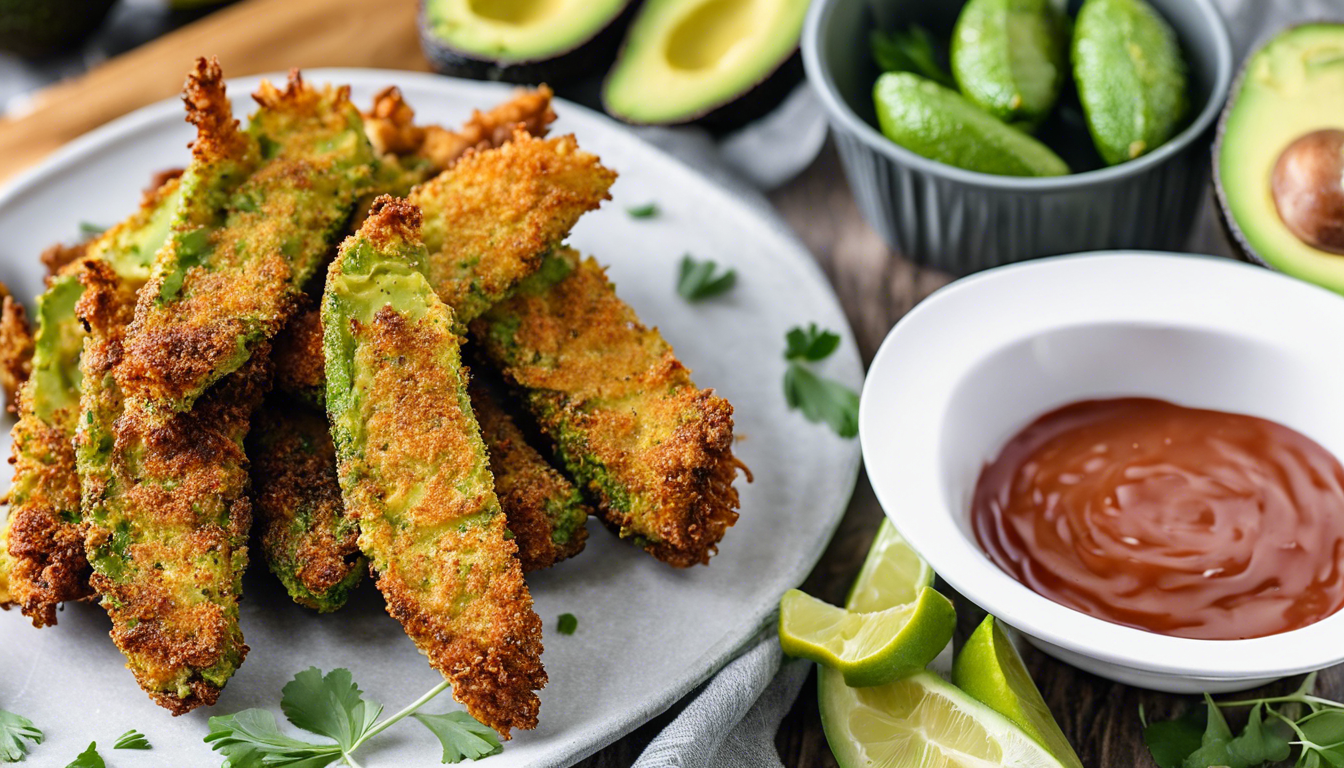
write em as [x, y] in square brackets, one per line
[875, 285]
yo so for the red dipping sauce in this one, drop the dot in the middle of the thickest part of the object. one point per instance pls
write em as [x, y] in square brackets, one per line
[1180, 521]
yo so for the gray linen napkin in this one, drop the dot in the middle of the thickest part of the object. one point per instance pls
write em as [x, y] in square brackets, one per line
[731, 721]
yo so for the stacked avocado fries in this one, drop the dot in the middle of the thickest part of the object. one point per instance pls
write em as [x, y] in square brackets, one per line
[278, 337]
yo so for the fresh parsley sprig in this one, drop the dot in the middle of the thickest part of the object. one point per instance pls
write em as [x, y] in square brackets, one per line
[699, 280]
[567, 623]
[1274, 726]
[818, 399]
[332, 705]
[909, 51]
[13, 730]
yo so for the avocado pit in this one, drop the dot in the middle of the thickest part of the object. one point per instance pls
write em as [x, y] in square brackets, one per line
[1308, 189]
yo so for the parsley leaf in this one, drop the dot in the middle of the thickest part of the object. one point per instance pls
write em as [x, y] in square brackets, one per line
[822, 400]
[701, 279]
[89, 758]
[13, 730]
[1171, 741]
[91, 230]
[909, 51]
[462, 736]
[329, 705]
[568, 623]
[646, 211]
[252, 739]
[132, 739]
[810, 343]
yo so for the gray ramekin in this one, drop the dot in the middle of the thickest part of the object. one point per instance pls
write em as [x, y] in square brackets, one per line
[962, 221]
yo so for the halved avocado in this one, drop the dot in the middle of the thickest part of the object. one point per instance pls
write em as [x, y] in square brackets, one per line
[522, 41]
[1276, 169]
[719, 62]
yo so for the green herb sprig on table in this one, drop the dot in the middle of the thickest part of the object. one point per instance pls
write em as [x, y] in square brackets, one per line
[909, 51]
[818, 399]
[699, 280]
[332, 705]
[1275, 725]
[13, 730]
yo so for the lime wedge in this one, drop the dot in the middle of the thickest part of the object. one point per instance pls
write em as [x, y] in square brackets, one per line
[989, 669]
[892, 574]
[920, 721]
[867, 648]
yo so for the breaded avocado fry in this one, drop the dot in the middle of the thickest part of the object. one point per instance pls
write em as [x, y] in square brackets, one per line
[492, 217]
[546, 513]
[260, 210]
[629, 425]
[166, 505]
[309, 542]
[415, 475]
[46, 535]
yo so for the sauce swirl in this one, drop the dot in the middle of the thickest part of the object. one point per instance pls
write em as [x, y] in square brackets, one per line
[1180, 521]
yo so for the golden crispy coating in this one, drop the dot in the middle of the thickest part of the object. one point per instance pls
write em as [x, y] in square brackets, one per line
[310, 545]
[629, 425]
[59, 256]
[16, 348]
[415, 475]
[490, 219]
[546, 513]
[392, 129]
[167, 511]
[45, 540]
[298, 360]
[260, 210]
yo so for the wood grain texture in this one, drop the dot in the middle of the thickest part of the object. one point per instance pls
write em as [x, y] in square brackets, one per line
[249, 38]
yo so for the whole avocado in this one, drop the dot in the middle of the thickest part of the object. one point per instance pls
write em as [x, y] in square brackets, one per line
[37, 28]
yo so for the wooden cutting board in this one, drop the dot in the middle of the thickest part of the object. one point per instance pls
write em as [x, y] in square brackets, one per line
[250, 37]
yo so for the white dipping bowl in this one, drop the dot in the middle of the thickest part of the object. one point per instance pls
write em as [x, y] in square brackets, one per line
[980, 359]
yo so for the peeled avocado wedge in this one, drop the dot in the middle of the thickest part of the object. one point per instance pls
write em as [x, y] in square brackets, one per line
[721, 63]
[1285, 207]
[522, 41]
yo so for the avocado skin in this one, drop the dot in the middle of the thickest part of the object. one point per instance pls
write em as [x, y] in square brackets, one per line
[1240, 246]
[595, 54]
[36, 28]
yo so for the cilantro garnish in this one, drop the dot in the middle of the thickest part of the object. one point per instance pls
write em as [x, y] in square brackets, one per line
[1203, 739]
[333, 706]
[702, 280]
[462, 736]
[13, 730]
[909, 51]
[646, 211]
[132, 739]
[818, 399]
[89, 758]
[567, 624]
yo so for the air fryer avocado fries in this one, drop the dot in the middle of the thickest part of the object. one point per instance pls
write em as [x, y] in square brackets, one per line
[143, 452]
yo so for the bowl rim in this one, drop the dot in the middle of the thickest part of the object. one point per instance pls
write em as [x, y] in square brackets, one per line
[901, 482]
[843, 117]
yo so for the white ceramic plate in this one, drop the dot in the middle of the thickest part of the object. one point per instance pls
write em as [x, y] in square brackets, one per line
[647, 633]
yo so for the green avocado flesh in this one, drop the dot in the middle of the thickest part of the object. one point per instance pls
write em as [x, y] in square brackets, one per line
[513, 31]
[683, 59]
[1291, 87]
